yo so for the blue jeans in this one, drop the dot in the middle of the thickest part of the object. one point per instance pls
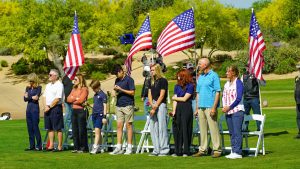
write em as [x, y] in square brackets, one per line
[68, 115]
[255, 105]
[234, 123]
[145, 106]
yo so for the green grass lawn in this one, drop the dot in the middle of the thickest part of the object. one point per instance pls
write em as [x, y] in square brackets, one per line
[282, 150]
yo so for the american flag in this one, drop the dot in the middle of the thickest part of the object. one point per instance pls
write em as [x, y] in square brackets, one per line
[143, 41]
[256, 48]
[74, 57]
[178, 35]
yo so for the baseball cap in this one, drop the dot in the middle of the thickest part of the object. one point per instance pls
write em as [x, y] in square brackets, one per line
[189, 65]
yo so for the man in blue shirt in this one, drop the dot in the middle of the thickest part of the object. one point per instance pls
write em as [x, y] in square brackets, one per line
[207, 101]
[125, 89]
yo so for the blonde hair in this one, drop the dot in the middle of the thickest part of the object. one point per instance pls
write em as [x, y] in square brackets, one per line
[32, 77]
[158, 73]
[81, 83]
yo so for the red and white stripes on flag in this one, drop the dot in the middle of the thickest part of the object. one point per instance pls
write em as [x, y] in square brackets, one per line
[74, 57]
[256, 48]
[143, 41]
[178, 35]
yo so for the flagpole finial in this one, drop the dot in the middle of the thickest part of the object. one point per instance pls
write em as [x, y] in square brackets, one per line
[193, 8]
[252, 10]
[75, 12]
[147, 14]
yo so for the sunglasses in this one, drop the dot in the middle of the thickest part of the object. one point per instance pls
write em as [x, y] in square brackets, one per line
[50, 75]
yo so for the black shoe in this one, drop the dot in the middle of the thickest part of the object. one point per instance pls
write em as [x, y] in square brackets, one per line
[38, 149]
[29, 149]
[298, 136]
[48, 150]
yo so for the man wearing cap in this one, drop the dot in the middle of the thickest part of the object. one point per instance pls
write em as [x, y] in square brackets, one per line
[53, 109]
[297, 99]
[125, 89]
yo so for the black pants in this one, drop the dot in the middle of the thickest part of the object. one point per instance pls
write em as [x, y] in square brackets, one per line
[79, 130]
[183, 127]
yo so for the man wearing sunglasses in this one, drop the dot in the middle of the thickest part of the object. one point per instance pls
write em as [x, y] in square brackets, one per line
[53, 110]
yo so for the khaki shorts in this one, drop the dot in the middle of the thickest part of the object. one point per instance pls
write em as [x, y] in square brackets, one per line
[125, 114]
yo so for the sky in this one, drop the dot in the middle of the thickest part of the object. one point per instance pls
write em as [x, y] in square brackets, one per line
[238, 3]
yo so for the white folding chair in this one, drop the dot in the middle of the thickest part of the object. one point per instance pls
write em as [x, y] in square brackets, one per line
[260, 134]
[144, 140]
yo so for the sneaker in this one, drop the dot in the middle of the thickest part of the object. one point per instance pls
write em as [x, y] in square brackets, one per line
[184, 155]
[128, 151]
[235, 156]
[116, 151]
[216, 154]
[229, 155]
[153, 154]
[74, 151]
[162, 155]
[174, 155]
[94, 149]
[199, 154]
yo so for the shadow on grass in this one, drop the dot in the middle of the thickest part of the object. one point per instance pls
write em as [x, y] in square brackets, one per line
[276, 133]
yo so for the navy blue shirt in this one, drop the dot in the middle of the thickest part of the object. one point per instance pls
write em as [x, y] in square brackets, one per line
[180, 92]
[33, 92]
[99, 98]
[123, 99]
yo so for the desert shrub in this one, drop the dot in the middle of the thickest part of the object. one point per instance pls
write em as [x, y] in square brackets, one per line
[5, 51]
[21, 67]
[4, 63]
[98, 76]
[109, 51]
[221, 69]
[0, 68]
[126, 48]
[221, 58]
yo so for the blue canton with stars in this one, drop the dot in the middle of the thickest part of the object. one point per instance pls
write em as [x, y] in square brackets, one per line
[254, 27]
[185, 21]
[75, 27]
[145, 27]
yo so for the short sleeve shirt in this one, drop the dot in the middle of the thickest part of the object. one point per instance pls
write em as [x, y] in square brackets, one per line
[54, 91]
[159, 84]
[207, 86]
[180, 91]
[99, 98]
[124, 99]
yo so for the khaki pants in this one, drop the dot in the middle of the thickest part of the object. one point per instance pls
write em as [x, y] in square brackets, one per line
[205, 121]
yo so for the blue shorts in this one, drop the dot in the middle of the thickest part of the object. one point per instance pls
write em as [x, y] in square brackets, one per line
[54, 119]
[97, 120]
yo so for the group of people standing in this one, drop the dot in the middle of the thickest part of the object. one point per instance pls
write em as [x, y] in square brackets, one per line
[190, 98]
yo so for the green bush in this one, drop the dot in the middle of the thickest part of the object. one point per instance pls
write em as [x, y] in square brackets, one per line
[221, 69]
[170, 74]
[21, 67]
[88, 68]
[286, 66]
[98, 76]
[4, 63]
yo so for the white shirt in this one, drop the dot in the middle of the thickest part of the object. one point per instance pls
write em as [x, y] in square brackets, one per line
[53, 91]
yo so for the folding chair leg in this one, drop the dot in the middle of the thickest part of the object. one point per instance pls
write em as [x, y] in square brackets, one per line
[140, 143]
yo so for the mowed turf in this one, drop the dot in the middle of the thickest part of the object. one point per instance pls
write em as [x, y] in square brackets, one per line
[282, 149]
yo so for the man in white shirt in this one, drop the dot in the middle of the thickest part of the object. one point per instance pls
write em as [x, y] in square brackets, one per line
[53, 109]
